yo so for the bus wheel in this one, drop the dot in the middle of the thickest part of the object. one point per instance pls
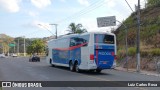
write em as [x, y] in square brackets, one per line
[71, 67]
[98, 70]
[77, 68]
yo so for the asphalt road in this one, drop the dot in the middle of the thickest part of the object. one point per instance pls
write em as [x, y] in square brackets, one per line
[20, 69]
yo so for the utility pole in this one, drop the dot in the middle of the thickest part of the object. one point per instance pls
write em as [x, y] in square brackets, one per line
[18, 47]
[14, 46]
[55, 28]
[24, 47]
[8, 49]
[3, 48]
[138, 38]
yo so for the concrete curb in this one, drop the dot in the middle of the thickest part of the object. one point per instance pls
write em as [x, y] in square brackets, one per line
[153, 73]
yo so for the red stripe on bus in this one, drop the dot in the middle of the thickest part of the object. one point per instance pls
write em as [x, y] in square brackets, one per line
[112, 53]
[70, 48]
[97, 49]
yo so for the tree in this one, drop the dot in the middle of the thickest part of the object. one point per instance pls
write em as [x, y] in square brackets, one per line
[73, 28]
[5, 40]
[37, 46]
[153, 2]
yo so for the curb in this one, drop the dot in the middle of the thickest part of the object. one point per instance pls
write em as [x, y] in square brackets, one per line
[134, 71]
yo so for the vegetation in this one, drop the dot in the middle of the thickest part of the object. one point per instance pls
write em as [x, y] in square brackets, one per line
[73, 28]
[153, 2]
[5, 40]
[37, 46]
[121, 54]
[131, 51]
[32, 45]
[20, 41]
[149, 37]
[149, 33]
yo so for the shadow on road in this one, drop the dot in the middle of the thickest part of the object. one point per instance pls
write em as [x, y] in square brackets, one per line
[82, 71]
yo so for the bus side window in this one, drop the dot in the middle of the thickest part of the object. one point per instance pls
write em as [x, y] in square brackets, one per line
[77, 41]
[85, 40]
[72, 42]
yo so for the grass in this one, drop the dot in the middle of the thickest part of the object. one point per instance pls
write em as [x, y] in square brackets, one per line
[155, 52]
[131, 51]
[121, 53]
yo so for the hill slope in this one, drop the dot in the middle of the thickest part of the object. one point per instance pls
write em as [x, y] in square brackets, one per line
[149, 33]
[149, 38]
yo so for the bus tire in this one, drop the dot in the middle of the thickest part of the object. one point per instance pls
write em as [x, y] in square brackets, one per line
[71, 66]
[98, 70]
[77, 68]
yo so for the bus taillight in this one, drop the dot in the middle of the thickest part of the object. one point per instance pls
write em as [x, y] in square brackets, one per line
[91, 57]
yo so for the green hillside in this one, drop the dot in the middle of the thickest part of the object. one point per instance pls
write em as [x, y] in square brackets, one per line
[149, 37]
[149, 32]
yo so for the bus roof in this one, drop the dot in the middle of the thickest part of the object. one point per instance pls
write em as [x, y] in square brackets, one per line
[72, 35]
[97, 33]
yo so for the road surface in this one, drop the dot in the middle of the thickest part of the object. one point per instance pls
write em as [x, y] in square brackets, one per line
[19, 69]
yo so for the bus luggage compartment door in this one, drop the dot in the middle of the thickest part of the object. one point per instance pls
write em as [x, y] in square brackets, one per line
[104, 58]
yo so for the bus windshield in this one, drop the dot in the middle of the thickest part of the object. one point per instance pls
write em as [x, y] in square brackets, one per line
[104, 38]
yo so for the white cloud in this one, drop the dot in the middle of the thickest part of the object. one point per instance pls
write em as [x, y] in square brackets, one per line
[84, 2]
[110, 3]
[33, 14]
[10, 5]
[122, 5]
[38, 24]
[41, 3]
[91, 25]
[63, 0]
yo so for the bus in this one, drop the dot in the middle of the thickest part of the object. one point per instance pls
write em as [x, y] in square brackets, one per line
[89, 51]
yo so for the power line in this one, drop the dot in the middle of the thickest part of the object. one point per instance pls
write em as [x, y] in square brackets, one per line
[129, 5]
[81, 11]
[90, 8]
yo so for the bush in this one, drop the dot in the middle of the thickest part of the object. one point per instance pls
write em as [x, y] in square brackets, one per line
[131, 51]
[155, 52]
[121, 54]
[144, 53]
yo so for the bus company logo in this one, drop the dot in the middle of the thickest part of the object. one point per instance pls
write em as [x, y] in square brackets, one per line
[104, 53]
[6, 84]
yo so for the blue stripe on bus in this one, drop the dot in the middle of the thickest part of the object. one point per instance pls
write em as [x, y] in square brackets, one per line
[63, 56]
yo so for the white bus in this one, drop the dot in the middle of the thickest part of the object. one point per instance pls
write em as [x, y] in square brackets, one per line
[88, 51]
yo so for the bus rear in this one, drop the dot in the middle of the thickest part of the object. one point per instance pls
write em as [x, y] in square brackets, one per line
[104, 51]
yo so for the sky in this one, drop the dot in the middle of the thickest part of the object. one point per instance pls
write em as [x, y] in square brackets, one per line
[32, 18]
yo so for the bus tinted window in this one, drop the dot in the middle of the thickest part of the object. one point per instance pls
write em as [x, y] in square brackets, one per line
[74, 41]
[101, 38]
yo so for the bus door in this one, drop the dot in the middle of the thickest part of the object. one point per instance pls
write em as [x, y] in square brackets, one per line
[104, 51]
